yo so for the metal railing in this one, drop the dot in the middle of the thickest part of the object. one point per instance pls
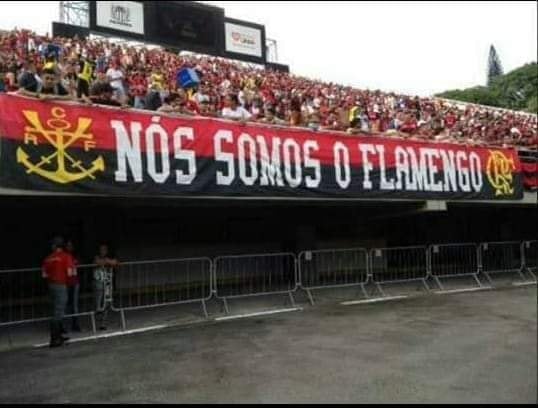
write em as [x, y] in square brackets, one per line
[398, 265]
[24, 297]
[454, 260]
[501, 257]
[150, 284]
[332, 268]
[529, 250]
[24, 294]
[255, 275]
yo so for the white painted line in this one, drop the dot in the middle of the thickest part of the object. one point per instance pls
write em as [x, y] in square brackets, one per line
[107, 335]
[383, 299]
[444, 292]
[269, 312]
[524, 283]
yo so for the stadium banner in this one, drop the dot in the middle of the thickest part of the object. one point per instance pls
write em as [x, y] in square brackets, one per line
[120, 15]
[242, 39]
[71, 148]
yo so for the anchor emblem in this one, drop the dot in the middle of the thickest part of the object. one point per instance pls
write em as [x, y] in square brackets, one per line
[67, 169]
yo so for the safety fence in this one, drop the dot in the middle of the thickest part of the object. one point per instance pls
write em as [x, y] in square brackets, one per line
[255, 275]
[453, 260]
[24, 296]
[332, 268]
[150, 284]
[24, 293]
[399, 264]
[530, 257]
[502, 257]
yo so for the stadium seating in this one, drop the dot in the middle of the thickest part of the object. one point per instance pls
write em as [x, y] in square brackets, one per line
[296, 100]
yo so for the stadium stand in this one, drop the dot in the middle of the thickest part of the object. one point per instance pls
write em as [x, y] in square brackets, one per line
[137, 74]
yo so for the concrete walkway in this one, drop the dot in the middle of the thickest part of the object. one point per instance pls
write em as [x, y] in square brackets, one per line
[476, 347]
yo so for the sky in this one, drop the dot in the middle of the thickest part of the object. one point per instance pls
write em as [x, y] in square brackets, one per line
[418, 48]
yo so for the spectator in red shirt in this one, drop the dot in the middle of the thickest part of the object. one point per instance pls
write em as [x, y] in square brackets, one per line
[373, 118]
[138, 88]
[295, 110]
[207, 109]
[57, 269]
[178, 103]
[409, 125]
[188, 104]
[450, 119]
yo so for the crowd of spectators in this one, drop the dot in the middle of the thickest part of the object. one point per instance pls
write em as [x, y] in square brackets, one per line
[97, 71]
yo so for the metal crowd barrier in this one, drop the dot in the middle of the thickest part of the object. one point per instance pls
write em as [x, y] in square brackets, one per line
[24, 297]
[529, 250]
[399, 265]
[150, 284]
[501, 257]
[333, 268]
[453, 260]
[255, 275]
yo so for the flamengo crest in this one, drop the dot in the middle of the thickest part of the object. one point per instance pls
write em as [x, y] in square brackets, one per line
[65, 168]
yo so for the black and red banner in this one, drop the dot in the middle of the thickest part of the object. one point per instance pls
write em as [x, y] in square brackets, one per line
[62, 147]
[530, 175]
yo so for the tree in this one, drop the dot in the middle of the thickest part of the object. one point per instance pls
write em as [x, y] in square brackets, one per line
[479, 95]
[495, 68]
[532, 106]
[517, 90]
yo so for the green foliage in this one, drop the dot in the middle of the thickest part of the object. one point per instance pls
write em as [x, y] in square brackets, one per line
[516, 90]
[532, 106]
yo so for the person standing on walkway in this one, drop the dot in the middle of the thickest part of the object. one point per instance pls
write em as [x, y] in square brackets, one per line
[103, 276]
[57, 268]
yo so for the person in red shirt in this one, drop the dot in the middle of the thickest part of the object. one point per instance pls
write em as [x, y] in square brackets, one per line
[57, 269]
[450, 120]
[73, 289]
[138, 86]
[373, 117]
[189, 105]
[409, 125]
